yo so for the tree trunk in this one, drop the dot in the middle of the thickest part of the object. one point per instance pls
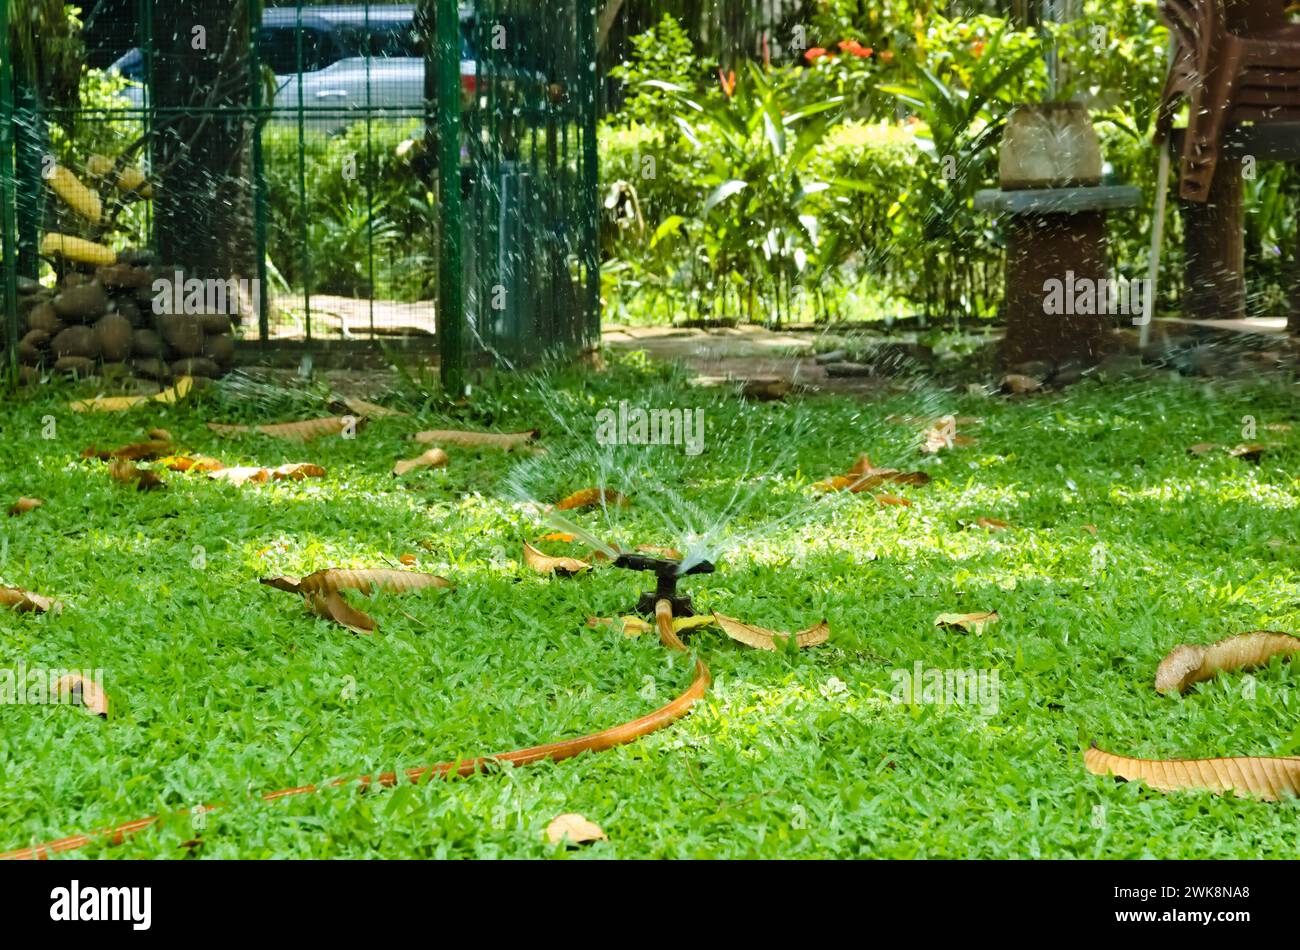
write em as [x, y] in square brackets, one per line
[203, 133]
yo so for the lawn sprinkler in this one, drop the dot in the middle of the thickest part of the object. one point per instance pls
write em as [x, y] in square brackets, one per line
[666, 572]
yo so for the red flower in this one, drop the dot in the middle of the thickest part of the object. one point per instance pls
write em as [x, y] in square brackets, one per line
[977, 48]
[728, 82]
[816, 53]
[854, 48]
[887, 56]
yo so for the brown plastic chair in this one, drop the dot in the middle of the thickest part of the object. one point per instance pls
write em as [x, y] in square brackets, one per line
[1234, 62]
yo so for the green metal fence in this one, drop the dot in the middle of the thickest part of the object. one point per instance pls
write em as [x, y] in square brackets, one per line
[371, 170]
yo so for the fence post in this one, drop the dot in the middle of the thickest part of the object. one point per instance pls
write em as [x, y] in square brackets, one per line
[259, 171]
[7, 214]
[451, 299]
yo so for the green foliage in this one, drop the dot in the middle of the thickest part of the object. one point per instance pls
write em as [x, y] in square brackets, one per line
[663, 53]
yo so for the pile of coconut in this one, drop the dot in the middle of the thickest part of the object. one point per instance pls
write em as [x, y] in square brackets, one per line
[102, 323]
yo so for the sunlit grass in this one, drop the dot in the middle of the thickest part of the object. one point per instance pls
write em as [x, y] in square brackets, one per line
[223, 687]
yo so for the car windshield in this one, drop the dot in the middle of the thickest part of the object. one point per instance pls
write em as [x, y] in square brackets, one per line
[381, 41]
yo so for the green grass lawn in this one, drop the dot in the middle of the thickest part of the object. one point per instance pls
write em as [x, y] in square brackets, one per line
[223, 688]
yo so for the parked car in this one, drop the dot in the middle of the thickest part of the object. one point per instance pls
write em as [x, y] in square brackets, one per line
[349, 62]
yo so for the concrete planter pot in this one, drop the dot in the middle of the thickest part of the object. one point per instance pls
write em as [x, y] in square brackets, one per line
[1049, 145]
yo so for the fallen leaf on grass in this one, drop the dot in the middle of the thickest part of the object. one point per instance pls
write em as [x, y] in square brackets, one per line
[545, 564]
[434, 458]
[557, 536]
[893, 500]
[191, 463]
[160, 435]
[766, 388]
[628, 626]
[332, 606]
[118, 403]
[1267, 777]
[303, 431]
[370, 410]
[78, 689]
[1200, 448]
[1193, 663]
[972, 623]
[1249, 453]
[473, 440]
[993, 524]
[761, 638]
[407, 559]
[943, 435]
[864, 477]
[137, 452]
[590, 497]
[632, 626]
[333, 580]
[575, 829]
[24, 505]
[291, 472]
[126, 473]
[1019, 385]
[24, 601]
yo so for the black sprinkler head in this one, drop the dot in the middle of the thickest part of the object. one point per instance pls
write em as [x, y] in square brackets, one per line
[666, 571]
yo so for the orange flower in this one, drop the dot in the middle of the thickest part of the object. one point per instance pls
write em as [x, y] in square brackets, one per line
[728, 82]
[977, 48]
[886, 55]
[854, 48]
[816, 53]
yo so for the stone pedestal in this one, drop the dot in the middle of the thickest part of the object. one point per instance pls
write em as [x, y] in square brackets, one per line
[1055, 235]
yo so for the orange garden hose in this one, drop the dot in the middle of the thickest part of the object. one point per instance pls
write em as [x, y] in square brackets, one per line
[554, 751]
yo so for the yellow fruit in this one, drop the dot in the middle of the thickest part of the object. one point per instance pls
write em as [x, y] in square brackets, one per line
[76, 195]
[76, 249]
[130, 179]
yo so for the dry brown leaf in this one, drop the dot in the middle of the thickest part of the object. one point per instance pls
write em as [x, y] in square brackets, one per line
[160, 435]
[25, 601]
[370, 410]
[893, 500]
[333, 580]
[332, 606]
[240, 474]
[191, 463]
[993, 524]
[1249, 453]
[766, 388]
[81, 690]
[760, 638]
[137, 452]
[24, 505]
[1192, 663]
[303, 431]
[1200, 448]
[434, 458]
[575, 829]
[591, 497]
[865, 477]
[125, 472]
[407, 559]
[296, 472]
[943, 435]
[1019, 385]
[545, 564]
[973, 623]
[557, 536]
[475, 440]
[1265, 777]
[628, 626]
